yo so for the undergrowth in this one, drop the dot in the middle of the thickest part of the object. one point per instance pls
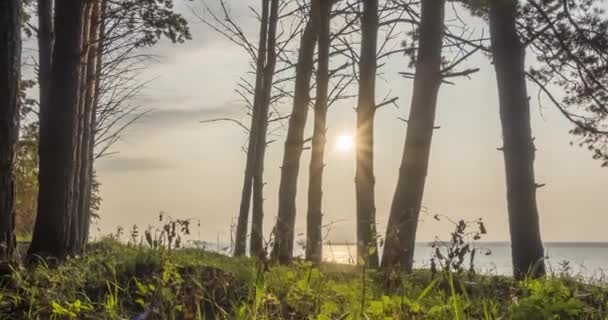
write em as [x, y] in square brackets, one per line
[152, 277]
[128, 281]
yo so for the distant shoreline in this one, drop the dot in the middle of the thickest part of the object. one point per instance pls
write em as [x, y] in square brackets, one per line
[572, 244]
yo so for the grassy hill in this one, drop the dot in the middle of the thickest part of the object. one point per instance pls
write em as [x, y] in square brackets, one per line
[119, 281]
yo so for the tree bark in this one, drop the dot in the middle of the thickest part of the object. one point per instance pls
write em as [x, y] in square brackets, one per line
[99, 54]
[240, 245]
[367, 247]
[314, 218]
[78, 193]
[257, 216]
[45, 50]
[519, 150]
[85, 173]
[407, 200]
[58, 135]
[10, 77]
[286, 220]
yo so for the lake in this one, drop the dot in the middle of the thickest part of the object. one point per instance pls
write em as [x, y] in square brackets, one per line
[587, 259]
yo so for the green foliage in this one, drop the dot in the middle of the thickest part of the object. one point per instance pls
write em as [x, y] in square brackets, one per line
[151, 20]
[547, 299]
[69, 310]
[120, 281]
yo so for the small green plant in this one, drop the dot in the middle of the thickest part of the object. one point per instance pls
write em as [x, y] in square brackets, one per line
[70, 310]
[169, 236]
[161, 296]
[451, 256]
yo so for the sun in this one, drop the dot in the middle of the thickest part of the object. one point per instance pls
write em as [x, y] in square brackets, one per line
[345, 143]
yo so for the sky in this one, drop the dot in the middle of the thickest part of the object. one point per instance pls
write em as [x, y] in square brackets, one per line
[171, 162]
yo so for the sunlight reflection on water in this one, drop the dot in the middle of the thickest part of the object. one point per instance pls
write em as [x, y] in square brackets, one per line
[584, 259]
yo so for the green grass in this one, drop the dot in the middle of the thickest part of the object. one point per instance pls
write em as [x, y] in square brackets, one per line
[118, 281]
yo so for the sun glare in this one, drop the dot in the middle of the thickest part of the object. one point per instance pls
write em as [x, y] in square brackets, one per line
[345, 143]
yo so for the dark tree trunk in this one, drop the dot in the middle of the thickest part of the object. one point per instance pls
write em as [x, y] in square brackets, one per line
[367, 247]
[58, 135]
[10, 77]
[314, 218]
[257, 216]
[240, 245]
[519, 151]
[45, 50]
[286, 220]
[405, 210]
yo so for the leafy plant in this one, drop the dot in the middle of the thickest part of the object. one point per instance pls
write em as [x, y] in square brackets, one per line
[546, 299]
[451, 256]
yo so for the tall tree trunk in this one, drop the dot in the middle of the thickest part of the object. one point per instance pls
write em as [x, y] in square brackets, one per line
[99, 54]
[75, 227]
[519, 150]
[58, 135]
[240, 245]
[286, 220]
[257, 216]
[367, 247]
[84, 209]
[405, 209]
[45, 50]
[10, 77]
[314, 218]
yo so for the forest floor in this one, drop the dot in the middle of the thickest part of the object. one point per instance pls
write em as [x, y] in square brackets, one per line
[120, 281]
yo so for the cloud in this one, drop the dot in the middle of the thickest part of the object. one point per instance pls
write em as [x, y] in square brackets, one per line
[131, 164]
[165, 118]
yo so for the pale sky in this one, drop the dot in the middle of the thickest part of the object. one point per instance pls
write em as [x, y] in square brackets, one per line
[170, 162]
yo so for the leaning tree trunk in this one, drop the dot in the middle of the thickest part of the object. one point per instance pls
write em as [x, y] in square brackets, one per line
[10, 77]
[367, 247]
[240, 244]
[519, 150]
[257, 215]
[294, 144]
[405, 210]
[58, 135]
[314, 218]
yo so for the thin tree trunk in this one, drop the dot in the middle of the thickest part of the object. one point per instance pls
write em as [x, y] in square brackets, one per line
[314, 218]
[257, 216]
[84, 209]
[240, 245]
[99, 54]
[286, 220]
[45, 50]
[519, 151]
[75, 228]
[10, 77]
[405, 210]
[58, 135]
[367, 247]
